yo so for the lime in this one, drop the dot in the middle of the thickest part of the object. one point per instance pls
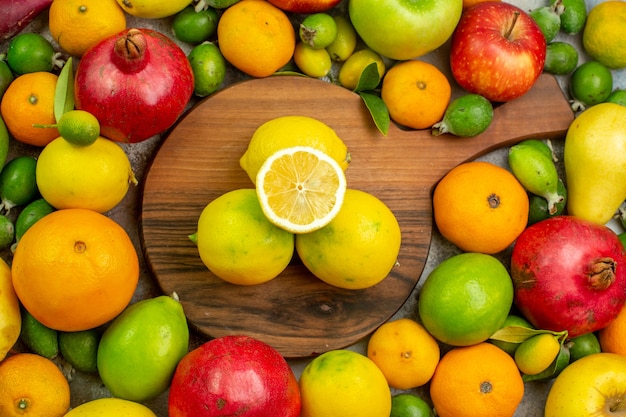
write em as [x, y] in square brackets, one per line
[193, 26]
[345, 40]
[511, 320]
[409, 405]
[18, 185]
[79, 127]
[536, 353]
[80, 349]
[31, 52]
[318, 30]
[4, 142]
[313, 62]
[30, 214]
[583, 345]
[618, 97]
[351, 70]
[209, 68]
[37, 337]
[561, 58]
[7, 231]
[591, 83]
[465, 116]
[538, 206]
[6, 76]
[548, 21]
[572, 13]
[466, 298]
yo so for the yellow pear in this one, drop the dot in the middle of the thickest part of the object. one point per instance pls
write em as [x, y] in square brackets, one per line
[595, 162]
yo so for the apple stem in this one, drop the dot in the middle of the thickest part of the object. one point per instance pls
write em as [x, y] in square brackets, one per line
[515, 17]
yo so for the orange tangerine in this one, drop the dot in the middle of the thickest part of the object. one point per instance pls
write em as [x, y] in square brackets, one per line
[612, 338]
[416, 93]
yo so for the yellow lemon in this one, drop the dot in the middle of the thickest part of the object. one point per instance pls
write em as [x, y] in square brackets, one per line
[535, 354]
[344, 383]
[604, 34]
[351, 70]
[358, 248]
[10, 318]
[238, 243]
[94, 177]
[289, 131]
[110, 407]
[153, 9]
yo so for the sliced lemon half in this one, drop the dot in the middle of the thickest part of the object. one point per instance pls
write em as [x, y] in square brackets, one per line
[300, 188]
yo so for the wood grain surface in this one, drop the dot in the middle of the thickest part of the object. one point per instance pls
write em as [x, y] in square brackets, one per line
[296, 313]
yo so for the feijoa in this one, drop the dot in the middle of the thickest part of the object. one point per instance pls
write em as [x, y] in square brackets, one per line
[209, 68]
[466, 116]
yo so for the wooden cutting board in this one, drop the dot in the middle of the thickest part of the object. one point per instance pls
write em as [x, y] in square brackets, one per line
[296, 313]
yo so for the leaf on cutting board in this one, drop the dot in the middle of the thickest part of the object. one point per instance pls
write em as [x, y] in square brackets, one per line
[64, 92]
[378, 110]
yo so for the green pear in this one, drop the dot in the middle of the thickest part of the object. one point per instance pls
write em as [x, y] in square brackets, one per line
[595, 162]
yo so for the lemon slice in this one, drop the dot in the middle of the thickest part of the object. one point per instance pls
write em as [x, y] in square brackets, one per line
[300, 188]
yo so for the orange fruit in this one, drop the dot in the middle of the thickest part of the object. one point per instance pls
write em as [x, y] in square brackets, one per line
[33, 386]
[612, 338]
[75, 269]
[476, 381]
[416, 93]
[77, 25]
[405, 352]
[480, 207]
[470, 3]
[29, 100]
[256, 37]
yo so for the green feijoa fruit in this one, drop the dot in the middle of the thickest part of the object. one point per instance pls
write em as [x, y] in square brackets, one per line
[39, 338]
[465, 116]
[7, 231]
[538, 206]
[541, 146]
[561, 58]
[591, 83]
[315, 63]
[30, 215]
[536, 172]
[139, 351]
[583, 345]
[548, 21]
[573, 14]
[318, 30]
[31, 52]
[618, 97]
[209, 68]
[80, 349]
[18, 185]
[6, 77]
[409, 405]
[4, 142]
[193, 26]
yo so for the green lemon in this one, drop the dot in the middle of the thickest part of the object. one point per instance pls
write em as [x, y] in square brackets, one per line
[345, 40]
[18, 185]
[466, 298]
[38, 338]
[561, 361]
[548, 20]
[583, 345]
[572, 13]
[4, 142]
[31, 52]
[30, 214]
[6, 76]
[79, 127]
[313, 62]
[80, 349]
[7, 231]
[209, 68]
[536, 353]
[511, 320]
[318, 30]
[193, 26]
[618, 97]
[591, 83]
[352, 68]
[409, 405]
[538, 206]
[138, 353]
[561, 58]
[466, 116]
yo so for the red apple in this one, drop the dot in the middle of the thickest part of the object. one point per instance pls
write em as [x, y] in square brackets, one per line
[497, 50]
[234, 376]
[305, 6]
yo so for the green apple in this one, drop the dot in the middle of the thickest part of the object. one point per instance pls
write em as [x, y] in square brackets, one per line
[405, 29]
[593, 386]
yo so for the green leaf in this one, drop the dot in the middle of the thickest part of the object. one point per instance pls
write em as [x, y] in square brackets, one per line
[64, 92]
[517, 334]
[379, 111]
[369, 78]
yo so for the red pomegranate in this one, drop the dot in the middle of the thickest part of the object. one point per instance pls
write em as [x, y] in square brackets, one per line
[305, 6]
[137, 83]
[569, 274]
[234, 376]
